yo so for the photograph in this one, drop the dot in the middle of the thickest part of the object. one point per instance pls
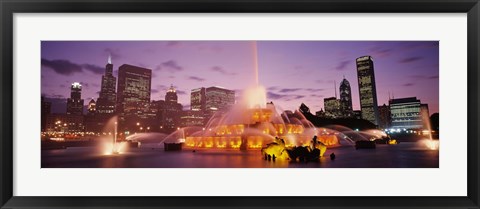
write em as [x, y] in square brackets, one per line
[269, 104]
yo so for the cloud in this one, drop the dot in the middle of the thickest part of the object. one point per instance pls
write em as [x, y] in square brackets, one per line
[424, 77]
[408, 84]
[170, 65]
[63, 67]
[342, 65]
[410, 59]
[154, 91]
[314, 89]
[274, 96]
[290, 90]
[66, 67]
[221, 70]
[272, 88]
[54, 96]
[195, 78]
[93, 68]
[378, 51]
[286, 97]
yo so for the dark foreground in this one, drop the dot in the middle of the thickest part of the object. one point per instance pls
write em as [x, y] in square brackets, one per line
[403, 155]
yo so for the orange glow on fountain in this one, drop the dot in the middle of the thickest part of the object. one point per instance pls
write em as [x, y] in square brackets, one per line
[253, 123]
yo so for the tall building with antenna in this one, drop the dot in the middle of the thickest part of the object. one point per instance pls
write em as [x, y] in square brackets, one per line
[367, 89]
[107, 97]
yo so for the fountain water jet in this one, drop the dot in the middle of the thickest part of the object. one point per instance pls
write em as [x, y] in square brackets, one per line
[110, 143]
[252, 123]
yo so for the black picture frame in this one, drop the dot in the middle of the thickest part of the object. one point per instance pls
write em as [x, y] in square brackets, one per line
[10, 7]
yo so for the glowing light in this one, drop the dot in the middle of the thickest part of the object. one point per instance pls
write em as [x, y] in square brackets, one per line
[432, 144]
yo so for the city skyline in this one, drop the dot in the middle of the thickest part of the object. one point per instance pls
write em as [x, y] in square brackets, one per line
[194, 64]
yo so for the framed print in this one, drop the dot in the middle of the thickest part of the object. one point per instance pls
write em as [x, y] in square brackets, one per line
[263, 104]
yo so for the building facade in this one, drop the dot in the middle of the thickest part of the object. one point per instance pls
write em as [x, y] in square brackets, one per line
[133, 95]
[367, 89]
[332, 107]
[406, 113]
[46, 110]
[198, 99]
[192, 118]
[218, 98]
[171, 111]
[346, 108]
[384, 117]
[75, 102]
[64, 123]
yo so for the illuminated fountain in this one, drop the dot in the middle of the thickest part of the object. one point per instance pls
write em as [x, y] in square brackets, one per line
[253, 123]
[110, 145]
[429, 142]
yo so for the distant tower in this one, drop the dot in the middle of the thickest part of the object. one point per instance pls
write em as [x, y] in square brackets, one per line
[172, 110]
[107, 98]
[367, 89]
[346, 98]
[171, 95]
[75, 102]
[92, 107]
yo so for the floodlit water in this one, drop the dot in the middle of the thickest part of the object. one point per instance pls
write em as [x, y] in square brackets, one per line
[403, 155]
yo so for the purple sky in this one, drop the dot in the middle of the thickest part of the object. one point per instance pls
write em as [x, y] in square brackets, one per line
[292, 71]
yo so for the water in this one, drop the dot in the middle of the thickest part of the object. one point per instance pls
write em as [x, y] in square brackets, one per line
[403, 155]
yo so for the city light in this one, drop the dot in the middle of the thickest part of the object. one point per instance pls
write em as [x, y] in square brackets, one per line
[264, 108]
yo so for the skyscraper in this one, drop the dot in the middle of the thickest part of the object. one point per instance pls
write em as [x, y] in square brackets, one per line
[346, 99]
[219, 98]
[367, 89]
[171, 110]
[46, 110]
[198, 99]
[171, 95]
[384, 116]
[106, 101]
[75, 102]
[133, 93]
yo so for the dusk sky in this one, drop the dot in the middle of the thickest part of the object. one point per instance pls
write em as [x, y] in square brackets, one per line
[293, 72]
